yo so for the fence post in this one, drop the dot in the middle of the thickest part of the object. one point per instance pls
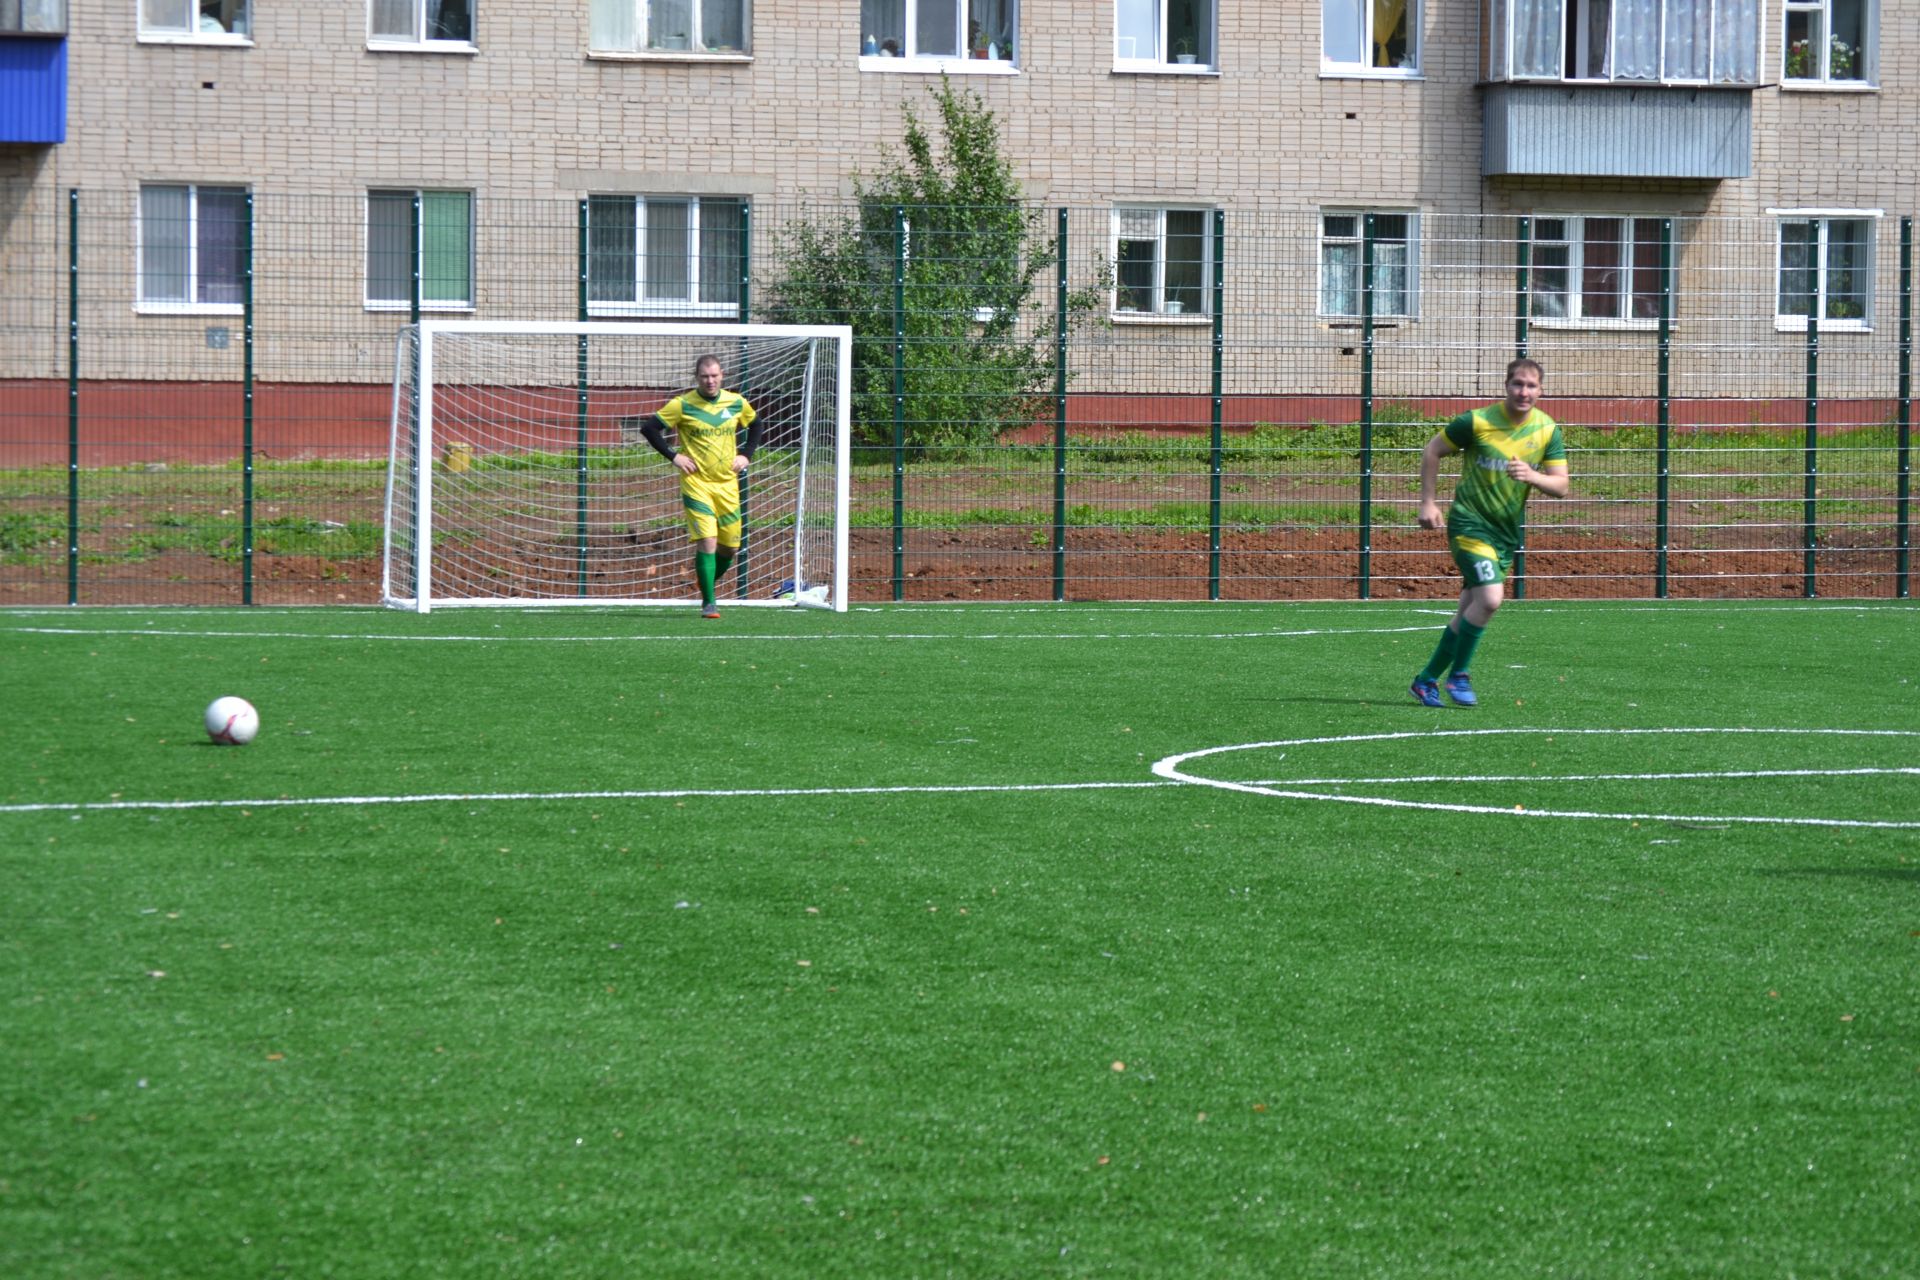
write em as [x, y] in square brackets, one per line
[1522, 268]
[413, 252]
[580, 408]
[1217, 441]
[1060, 410]
[1366, 407]
[73, 395]
[1663, 452]
[1811, 479]
[740, 560]
[1903, 527]
[246, 405]
[899, 401]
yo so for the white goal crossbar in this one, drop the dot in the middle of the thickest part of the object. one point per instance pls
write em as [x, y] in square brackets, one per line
[517, 474]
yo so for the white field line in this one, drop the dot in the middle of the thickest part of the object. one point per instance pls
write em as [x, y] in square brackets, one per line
[711, 637]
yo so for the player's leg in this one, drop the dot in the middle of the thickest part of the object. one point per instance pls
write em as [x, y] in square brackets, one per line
[726, 510]
[1483, 573]
[703, 529]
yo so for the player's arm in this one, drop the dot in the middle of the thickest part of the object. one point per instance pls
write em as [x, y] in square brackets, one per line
[655, 430]
[745, 455]
[1437, 448]
[1551, 479]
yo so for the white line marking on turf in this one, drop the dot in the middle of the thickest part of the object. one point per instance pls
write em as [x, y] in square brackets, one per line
[710, 637]
[1170, 768]
[678, 793]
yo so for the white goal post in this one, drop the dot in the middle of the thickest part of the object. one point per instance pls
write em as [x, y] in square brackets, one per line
[517, 474]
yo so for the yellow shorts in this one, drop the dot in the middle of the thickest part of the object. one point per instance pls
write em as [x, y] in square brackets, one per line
[1481, 563]
[713, 509]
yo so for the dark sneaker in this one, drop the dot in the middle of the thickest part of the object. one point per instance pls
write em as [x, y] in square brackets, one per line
[709, 610]
[1425, 692]
[1460, 689]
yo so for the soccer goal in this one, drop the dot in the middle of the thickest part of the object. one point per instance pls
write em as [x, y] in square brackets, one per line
[517, 474]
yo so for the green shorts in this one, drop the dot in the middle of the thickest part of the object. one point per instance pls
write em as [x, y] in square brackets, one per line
[1482, 563]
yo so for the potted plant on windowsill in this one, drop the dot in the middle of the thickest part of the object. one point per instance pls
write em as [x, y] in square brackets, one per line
[1183, 51]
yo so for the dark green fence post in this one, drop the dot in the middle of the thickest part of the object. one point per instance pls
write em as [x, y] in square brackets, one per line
[246, 405]
[1366, 407]
[740, 583]
[1663, 454]
[1903, 527]
[1060, 410]
[1218, 443]
[1522, 269]
[73, 395]
[899, 402]
[413, 251]
[580, 412]
[1809, 532]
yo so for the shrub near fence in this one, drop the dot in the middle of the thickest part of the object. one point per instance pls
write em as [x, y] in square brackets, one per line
[1258, 440]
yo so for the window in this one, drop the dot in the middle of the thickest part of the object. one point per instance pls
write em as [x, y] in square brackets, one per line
[668, 26]
[1634, 41]
[1827, 41]
[665, 255]
[446, 249]
[1596, 269]
[420, 22]
[1359, 36]
[1826, 268]
[214, 20]
[192, 247]
[1162, 261]
[33, 17]
[1396, 259]
[1159, 33]
[955, 29]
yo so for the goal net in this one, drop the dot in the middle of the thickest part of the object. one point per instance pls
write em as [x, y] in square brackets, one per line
[517, 474]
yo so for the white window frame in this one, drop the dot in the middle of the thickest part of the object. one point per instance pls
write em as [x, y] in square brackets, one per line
[1358, 240]
[693, 42]
[1163, 310]
[690, 307]
[1819, 13]
[1161, 58]
[908, 60]
[197, 29]
[460, 306]
[418, 41]
[1575, 239]
[1364, 14]
[1824, 220]
[188, 305]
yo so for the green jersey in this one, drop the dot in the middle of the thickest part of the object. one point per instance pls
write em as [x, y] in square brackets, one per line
[1489, 502]
[707, 429]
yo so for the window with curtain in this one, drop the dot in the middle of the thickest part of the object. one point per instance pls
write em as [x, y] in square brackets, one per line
[1630, 41]
[33, 17]
[1369, 36]
[1826, 269]
[446, 249]
[1595, 269]
[1161, 33]
[1396, 254]
[192, 246]
[194, 19]
[1828, 41]
[420, 22]
[970, 30]
[665, 255]
[669, 26]
[1162, 261]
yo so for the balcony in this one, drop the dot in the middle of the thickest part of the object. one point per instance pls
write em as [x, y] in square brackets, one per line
[1616, 130]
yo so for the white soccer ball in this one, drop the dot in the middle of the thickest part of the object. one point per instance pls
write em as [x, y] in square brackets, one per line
[231, 721]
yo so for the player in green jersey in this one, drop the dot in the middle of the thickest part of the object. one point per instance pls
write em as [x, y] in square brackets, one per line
[1511, 449]
[710, 458]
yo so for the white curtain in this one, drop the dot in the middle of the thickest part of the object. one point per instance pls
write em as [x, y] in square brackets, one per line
[1537, 28]
[1736, 41]
[1636, 39]
[1689, 52]
[611, 25]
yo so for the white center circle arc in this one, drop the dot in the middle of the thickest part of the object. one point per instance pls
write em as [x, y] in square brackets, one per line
[1174, 769]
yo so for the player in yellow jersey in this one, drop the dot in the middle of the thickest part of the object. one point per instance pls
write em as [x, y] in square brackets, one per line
[1511, 449]
[710, 457]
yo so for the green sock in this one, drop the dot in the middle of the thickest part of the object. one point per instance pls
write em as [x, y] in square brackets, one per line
[703, 573]
[723, 561]
[1442, 654]
[1463, 647]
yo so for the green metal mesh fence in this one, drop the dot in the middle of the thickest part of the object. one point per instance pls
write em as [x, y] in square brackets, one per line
[1144, 403]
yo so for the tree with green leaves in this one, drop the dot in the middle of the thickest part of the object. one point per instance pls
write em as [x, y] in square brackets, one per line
[943, 238]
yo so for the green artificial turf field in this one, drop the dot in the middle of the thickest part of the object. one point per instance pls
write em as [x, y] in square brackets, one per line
[1003, 942]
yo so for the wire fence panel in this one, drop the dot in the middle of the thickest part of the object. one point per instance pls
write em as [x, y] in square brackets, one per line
[1129, 402]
